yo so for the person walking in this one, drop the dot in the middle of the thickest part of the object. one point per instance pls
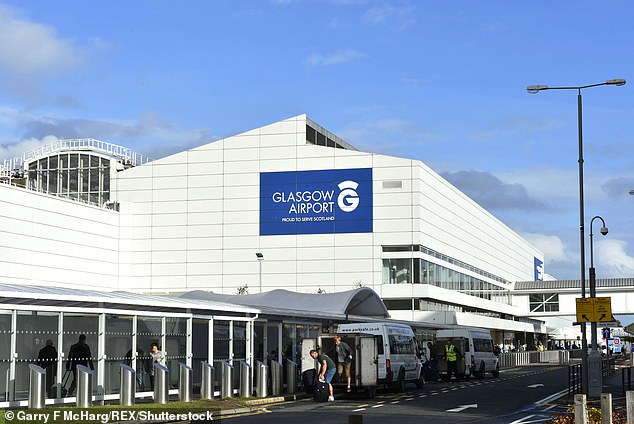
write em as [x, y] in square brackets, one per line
[451, 356]
[343, 354]
[156, 357]
[326, 370]
[79, 354]
[47, 359]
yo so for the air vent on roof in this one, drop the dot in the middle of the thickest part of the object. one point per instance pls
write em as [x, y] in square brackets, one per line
[393, 184]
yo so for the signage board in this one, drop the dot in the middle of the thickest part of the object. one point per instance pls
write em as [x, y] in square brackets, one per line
[316, 202]
[538, 267]
[594, 309]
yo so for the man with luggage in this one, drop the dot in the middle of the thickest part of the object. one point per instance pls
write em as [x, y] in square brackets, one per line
[451, 356]
[343, 354]
[326, 370]
[79, 355]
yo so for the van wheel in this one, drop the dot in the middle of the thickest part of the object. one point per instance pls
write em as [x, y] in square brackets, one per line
[420, 382]
[496, 371]
[401, 380]
[370, 392]
[481, 371]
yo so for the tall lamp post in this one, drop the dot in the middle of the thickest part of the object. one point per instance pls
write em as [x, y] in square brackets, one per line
[533, 89]
[260, 257]
[595, 355]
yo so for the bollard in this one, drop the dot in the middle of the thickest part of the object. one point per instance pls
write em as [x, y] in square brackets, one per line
[127, 392]
[185, 383]
[291, 377]
[261, 379]
[161, 383]
[606, 408]
[37, 387]
[207, 384]
[84, 386]
[226, 377]
[629, 404]
[581, 409]
[246, 388]
[276, 378]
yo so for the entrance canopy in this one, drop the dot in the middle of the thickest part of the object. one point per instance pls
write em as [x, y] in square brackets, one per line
[361, 302]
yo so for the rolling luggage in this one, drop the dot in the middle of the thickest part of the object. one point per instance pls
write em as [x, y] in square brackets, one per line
[52, 393]
[321, 391]
[308, 380]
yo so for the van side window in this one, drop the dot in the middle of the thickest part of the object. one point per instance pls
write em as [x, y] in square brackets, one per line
[482, 345]
[379, 345]
[402, 345]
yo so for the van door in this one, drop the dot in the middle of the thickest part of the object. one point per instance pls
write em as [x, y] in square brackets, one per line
[368, 362]
[307, 361]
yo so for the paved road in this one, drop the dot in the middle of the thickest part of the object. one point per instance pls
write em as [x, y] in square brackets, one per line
[516, 397]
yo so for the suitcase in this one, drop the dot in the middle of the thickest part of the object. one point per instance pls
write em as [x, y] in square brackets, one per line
[321, 391]
[53, 391]
[308, 380]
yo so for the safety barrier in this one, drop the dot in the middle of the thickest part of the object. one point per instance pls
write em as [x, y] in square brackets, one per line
[513, 359]
[207, 384]
[246, 385]
[37, 387]
[276, 378]
[185, 383]
[128, 385]
[84, 386]
[291, 377]
[226, 377]
[161, 383]
[261, 379]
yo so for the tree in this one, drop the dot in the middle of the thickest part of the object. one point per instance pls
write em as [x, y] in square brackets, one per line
[243, 289]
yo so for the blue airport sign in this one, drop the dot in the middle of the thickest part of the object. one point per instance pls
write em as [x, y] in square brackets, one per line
[539, 270]
[316, 202]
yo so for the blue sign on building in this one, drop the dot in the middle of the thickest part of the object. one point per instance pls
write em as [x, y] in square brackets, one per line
[316, 202]
[539, 270]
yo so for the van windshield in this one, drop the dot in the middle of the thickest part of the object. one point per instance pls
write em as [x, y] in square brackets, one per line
[482, 345]
[402, 345]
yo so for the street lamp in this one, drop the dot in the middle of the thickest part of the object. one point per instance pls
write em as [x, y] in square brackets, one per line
[533, 89]
[260, 257]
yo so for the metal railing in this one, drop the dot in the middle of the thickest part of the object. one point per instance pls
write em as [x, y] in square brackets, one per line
[575, 379]
[513, 359]
[9, 167]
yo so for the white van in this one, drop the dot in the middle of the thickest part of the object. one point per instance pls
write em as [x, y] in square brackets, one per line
[476, 346]
[383, 353]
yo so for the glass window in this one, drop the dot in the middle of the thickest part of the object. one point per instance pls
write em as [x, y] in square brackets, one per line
[175, 346]
[63, 161]
[73, 161]
[94, 180]
[52, 162]
[222, 338]
[118, 350]
[74, 326]
[321, 139]
[52, 182]
[5, 349]
[402, 345]
[311, 135]
[200, 348]
[73, 180]
[482, 345]
[43, 163]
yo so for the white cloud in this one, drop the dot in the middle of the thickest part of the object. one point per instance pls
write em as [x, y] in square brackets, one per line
[612, 259]
[553, 247]
[344, 56]
[380, 15]
[33, 48]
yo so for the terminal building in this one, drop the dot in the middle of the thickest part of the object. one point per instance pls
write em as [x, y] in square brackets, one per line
[288, 206]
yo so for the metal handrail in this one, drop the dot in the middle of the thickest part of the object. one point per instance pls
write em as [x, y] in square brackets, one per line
[125, 154]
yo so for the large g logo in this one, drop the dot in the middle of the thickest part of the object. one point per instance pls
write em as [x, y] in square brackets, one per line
[348, 199]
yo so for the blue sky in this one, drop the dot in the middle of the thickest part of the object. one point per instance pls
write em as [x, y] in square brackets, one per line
[443, 82]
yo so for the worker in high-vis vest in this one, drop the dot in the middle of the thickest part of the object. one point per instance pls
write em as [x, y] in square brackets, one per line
[451, 356]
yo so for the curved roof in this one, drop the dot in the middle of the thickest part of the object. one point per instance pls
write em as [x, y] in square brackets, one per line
[359, 302]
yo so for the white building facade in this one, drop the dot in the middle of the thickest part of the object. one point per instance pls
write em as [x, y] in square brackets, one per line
[320, 215]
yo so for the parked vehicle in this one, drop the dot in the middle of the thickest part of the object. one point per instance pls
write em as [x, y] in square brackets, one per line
[383, 354]
[476, 347]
